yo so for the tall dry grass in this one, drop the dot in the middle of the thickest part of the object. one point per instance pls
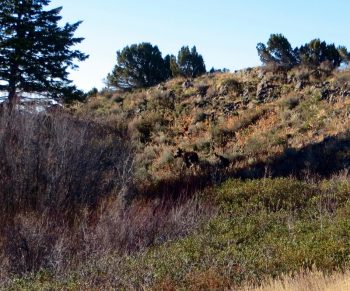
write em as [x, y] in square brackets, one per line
[310, 281]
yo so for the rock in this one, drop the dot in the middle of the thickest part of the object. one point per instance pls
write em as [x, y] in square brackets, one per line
[246, 95]
[212, 116]
[264, 91]
[162, 87]
[290, 79]
[325, 93]
[345, 93]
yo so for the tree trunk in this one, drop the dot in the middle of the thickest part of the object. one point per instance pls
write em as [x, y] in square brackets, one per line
[12, 97]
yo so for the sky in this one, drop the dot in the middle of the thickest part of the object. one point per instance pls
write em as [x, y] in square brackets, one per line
[225, 32]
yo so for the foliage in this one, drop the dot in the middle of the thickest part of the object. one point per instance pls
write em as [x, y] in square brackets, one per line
[35, 53]
[157, 240]
[142, 66]
[191, 64]
[317, 52]
[344, 54]
[139, 66]
[278, 51]
[172, 66]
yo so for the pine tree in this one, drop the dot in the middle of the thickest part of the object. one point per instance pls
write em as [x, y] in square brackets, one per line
[138, 66]
[191, 64]
[172, 66]
[278, 52]
[35, 53]
[318, 52]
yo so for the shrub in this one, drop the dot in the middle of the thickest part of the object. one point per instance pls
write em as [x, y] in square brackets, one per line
[263, 229]
[271, 194]
[53, 160]
[163, 99]
[141, 128]
[290, 102]
[200, 116]
[230, 85]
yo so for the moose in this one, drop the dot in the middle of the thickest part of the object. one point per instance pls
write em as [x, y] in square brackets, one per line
[222, 161]
[189, 158]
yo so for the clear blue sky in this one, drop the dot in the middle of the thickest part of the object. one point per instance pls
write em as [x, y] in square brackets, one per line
[225, 32]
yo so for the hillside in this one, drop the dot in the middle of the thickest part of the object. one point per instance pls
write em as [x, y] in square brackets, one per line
[267, 198]
[248, 117]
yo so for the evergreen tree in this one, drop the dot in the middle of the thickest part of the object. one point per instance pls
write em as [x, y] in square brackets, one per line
[172, 66]
[138, 66]
[344, 54]
[190, 63]
[278, 52]
[35, 52]
[318, 52]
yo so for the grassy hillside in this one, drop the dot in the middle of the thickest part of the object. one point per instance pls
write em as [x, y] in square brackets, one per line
[280, 207]
[249, 117]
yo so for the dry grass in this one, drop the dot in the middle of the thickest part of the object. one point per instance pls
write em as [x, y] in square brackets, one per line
[313, 281]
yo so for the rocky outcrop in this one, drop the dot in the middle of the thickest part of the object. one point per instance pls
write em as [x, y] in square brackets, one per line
[265, 91]
[332, 92]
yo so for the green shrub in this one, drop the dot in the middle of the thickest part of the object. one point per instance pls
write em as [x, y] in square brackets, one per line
[270, 194]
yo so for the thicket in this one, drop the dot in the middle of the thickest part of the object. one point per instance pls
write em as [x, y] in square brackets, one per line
[55, 169]
[54, 161]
